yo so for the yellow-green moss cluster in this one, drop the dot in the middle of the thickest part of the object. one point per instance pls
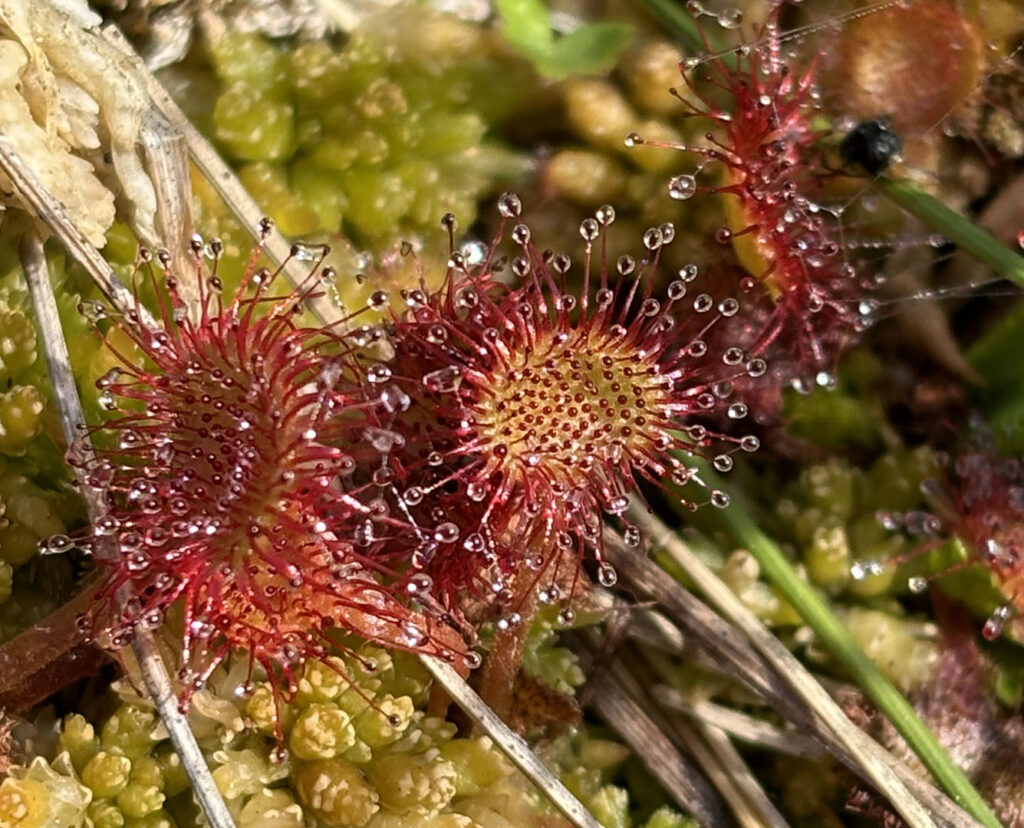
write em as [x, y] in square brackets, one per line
[835, 515]
[119, 777]
[34, 502]
[362, 752]
[21, 406]
[43, 795]
[383, 134]
[587, 766]
[28, 514]
[557, 667]
[594, 166]
[844, 524]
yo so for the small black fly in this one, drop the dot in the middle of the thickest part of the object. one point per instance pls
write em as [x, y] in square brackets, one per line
[871, 145]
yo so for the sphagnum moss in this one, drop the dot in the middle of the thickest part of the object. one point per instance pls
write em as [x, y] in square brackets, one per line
[21, 406]
[384, 133]
[412, 771]
[28, 512]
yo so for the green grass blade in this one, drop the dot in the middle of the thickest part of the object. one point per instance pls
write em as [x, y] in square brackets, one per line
[673, 15]
[955, 227]
[994, 353]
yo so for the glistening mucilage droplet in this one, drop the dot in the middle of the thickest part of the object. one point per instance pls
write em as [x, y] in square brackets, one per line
[539, 408]
[243, 521]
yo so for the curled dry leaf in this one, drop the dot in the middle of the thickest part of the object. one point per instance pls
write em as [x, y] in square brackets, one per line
[68, 101]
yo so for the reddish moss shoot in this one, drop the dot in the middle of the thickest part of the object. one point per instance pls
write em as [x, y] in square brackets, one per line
[764, 147]
[536, 408]
[227, 487]
[988, 496]
[980, 501]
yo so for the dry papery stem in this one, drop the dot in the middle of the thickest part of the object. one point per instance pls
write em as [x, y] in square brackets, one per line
[711, 748]
[747, 798]
[675, 773]
[616, 697]
[731, 722]
[805, 736]
[762, 664]
[511, 744]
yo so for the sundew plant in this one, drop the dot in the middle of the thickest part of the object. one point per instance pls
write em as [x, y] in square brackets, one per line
[641, 382]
